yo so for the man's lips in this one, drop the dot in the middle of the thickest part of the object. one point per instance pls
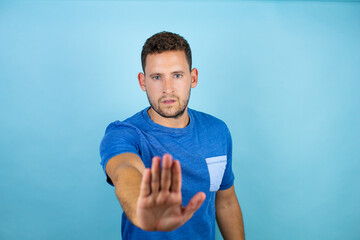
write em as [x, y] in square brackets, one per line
[168, 101]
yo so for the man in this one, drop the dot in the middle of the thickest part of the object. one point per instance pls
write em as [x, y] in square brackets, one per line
[163, 198]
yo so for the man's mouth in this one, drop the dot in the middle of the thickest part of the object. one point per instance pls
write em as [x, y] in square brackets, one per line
[168, 101]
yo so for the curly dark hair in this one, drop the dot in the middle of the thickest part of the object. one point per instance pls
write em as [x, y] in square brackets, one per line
[162, 42]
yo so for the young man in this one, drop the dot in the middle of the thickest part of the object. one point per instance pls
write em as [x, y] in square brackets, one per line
[165, 198]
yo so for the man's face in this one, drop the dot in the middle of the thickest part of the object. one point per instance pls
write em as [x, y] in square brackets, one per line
[167, 82]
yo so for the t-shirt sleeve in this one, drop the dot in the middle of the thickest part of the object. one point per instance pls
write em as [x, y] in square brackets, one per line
[119, 138]
[228, 179]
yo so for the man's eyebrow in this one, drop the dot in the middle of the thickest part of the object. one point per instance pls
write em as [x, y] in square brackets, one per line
[178, 72]
[155, 74]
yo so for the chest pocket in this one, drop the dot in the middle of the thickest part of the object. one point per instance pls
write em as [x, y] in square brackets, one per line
[216, 167]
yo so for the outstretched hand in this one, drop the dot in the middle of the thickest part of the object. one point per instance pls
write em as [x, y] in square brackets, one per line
[159, 206]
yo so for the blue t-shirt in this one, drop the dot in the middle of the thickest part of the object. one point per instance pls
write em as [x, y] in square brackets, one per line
[204, 149]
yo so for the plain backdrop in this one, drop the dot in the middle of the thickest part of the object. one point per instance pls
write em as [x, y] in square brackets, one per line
[283, 75]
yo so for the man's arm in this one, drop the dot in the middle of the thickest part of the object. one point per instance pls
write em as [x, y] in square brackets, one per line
[125, 171]
[151, 198]
[228, 215]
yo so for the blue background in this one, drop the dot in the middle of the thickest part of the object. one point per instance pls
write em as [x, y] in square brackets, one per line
[284, 76]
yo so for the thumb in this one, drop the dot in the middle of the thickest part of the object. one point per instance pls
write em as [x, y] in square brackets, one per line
[193, 205]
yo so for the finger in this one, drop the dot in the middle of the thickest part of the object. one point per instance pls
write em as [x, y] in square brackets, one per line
[176, 176]
[166, 173]
[145, 189]
[155, 175]
[193, 205]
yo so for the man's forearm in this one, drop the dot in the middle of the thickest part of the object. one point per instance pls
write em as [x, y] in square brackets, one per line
[127, 188]
[230, 222]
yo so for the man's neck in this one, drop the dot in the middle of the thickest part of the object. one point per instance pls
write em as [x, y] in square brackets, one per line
[179, 122]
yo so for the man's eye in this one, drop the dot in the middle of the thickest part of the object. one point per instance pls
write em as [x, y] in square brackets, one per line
[156, 77]
[177, 76]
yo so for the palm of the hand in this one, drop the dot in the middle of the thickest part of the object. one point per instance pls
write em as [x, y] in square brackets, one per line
[159, 206]
[161, 214]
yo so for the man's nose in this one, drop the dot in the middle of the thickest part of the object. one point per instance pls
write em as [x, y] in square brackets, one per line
[168, 86]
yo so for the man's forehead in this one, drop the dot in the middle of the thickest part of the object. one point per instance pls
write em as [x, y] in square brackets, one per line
[166, 61]
[166, 53]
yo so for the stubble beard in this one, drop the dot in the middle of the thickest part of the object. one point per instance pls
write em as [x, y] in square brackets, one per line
[178, 113]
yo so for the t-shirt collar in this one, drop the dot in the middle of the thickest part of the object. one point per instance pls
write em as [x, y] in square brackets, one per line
[162, 128]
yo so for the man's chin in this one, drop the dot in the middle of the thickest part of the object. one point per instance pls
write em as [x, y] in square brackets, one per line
[171, 114]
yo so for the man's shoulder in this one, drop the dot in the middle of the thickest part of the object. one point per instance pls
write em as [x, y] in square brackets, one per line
[207, 119]
[120, 127]
[130, 123]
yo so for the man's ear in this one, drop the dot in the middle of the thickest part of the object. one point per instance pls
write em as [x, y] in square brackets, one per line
[141, 78]
[194, 77]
